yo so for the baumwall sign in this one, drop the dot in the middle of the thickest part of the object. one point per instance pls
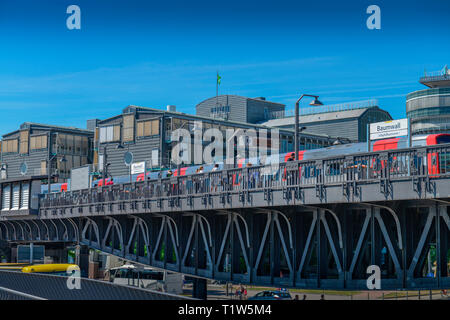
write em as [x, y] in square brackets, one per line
[138, 167]
[388, 129]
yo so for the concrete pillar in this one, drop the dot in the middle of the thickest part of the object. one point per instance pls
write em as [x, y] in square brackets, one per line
[93, 270]
[199, 289]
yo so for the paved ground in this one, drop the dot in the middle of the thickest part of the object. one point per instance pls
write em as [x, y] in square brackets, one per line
[218, 292]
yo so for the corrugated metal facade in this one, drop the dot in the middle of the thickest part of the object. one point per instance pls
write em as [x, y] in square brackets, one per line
[345, 124]
[143, 148]
[238, 107]
[241, 109]
[345, 128]
[36, 159]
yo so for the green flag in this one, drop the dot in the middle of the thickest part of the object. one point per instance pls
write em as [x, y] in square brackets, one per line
[218, 79]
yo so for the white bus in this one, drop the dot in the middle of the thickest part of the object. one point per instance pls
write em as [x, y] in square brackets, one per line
[147, 278]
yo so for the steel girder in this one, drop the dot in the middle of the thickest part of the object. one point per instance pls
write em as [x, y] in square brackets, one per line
[296, 246]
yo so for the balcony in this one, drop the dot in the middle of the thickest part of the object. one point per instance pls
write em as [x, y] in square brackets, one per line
[436, 79]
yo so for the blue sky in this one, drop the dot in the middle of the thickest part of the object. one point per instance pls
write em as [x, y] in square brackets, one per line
[167, 52]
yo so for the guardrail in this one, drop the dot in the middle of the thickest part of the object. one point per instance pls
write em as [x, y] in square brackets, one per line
[423, 163]
[354, 105]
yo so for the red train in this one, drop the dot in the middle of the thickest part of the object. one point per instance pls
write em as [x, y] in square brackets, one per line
[436, 164]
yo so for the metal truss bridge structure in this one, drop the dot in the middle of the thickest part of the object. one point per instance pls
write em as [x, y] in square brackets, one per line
[307, 224]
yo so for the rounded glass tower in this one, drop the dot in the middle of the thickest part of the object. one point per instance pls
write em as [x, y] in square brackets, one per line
[429, 109]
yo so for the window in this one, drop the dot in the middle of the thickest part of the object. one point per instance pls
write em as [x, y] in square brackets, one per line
[128, 127]
[6, 197]
[147, 128]
[61, 142]
[10, 146]
[24, 141]
[110, 133]
[43, 167]
[70, 144]
[38, 142]
[25, 195]
[155, 157]
[77, 145]
[84, 146]
[100, 163]
[15, 196]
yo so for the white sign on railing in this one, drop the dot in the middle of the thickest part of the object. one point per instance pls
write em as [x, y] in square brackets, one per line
[138, 167]
[388, 129]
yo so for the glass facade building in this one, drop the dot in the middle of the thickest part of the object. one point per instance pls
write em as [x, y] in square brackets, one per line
[429, 109]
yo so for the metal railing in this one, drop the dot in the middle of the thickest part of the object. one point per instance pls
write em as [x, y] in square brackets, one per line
[411, 163]
[323, 109]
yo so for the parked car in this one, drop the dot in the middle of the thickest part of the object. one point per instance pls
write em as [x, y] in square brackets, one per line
[272, 295]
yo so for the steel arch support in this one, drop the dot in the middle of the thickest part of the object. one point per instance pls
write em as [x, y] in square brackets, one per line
[224, 240]
[30, 232]
[66, 231]
[38, 229]
[392, 252]
[263, 241]
[139, 224]
[188, 244]
[56, 230]
[421, 244]
[173, 233]
[359, 244]
[335, 217]
[397, 221]
[114, 223]
[91, 223]
[283, 243]
[15, 231]
[6, 229]
[307, 244]
[331, 242]
[75, 230]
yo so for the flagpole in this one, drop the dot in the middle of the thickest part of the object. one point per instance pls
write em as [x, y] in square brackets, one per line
[217, 89]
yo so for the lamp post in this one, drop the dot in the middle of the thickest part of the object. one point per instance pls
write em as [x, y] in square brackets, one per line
[3, 171]
[120, 146]
[315, 102]
[49, 174]
[105, 166]
[50, 158]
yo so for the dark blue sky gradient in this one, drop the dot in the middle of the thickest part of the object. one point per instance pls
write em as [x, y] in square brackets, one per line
[157, 53]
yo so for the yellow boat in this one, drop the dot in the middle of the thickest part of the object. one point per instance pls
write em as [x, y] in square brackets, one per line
[59, 268]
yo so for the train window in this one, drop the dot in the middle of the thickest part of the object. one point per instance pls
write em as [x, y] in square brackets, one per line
[433, 160]
[443, 139]
[444, 162]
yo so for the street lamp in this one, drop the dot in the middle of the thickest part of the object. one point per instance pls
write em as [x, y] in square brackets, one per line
[105, 166]
[120, 146]
[314, 103]
[3, 171]
[49, 174]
